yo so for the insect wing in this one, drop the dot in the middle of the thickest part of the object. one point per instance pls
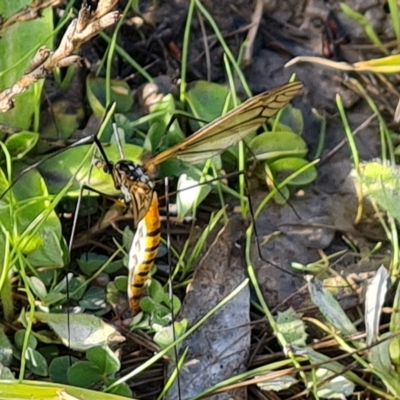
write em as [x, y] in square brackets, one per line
[234, 126]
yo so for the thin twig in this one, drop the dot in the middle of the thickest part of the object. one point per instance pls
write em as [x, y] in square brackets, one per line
[29, 13]
[251, 35]
[79, 31]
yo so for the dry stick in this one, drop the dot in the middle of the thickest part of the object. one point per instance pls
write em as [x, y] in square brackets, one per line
[79, 31]
[291, 370]
[251, 35]
[371, 84]
[29, 13]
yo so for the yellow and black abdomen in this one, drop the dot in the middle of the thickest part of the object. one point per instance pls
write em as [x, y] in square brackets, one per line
[143, 253]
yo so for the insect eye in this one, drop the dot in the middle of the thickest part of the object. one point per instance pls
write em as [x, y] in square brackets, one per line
[105, 166]
[100, 164]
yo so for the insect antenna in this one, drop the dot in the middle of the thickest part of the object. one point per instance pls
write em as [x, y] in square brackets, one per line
[86, 140]
[99, 147]
[22, 173]
[118, 139]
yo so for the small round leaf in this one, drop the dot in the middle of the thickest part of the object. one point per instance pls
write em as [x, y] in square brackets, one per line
[59, 367]
[104, 359]
[84, 374]
[275, 145]
[21, 143]
[19, 338]
[284, 167]
[36, 362]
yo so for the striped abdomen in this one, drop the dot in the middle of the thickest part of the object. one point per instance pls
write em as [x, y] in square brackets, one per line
[143, 252]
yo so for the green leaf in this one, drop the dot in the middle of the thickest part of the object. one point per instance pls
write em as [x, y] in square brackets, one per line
[274, 145]
[290, 325]
[50, 254]
[94, 299]
[291, 119]
[157, 310]
[58, 170]
[3, 182]
[382, 184]
[331, 308]
[6, 350]
[174, 167]
[59, 367]
[112, 294]
[79, 331]
[334, 387]
[381, 363]
[23, 212]
[29, 185]
[102, 356]
[156, 291]
[120, 93]
[127, 238]
[275, 384]
[76, 287]
[46, 337]
[161, 114]
[89, 263]
[6, 374]
[190, 194]
[46, 277]
[38, 287]
[121, 283]
[140, 321]
[175, 302]
[53, 298]
[84, 374]
[17, 47]
[208, 101]
[21, 143]
[282, 196]
[284, 167]
[39, 390]
[36, 362]
[49, 352]
[122, 389]
[65, 116]
[31, 196]
[166, 335]
[19, 339]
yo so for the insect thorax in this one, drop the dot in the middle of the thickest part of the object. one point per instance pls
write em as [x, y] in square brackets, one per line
[129, 175]
[135, 185]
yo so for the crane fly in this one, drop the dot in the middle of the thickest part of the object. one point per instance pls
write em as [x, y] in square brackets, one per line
[137, 188]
